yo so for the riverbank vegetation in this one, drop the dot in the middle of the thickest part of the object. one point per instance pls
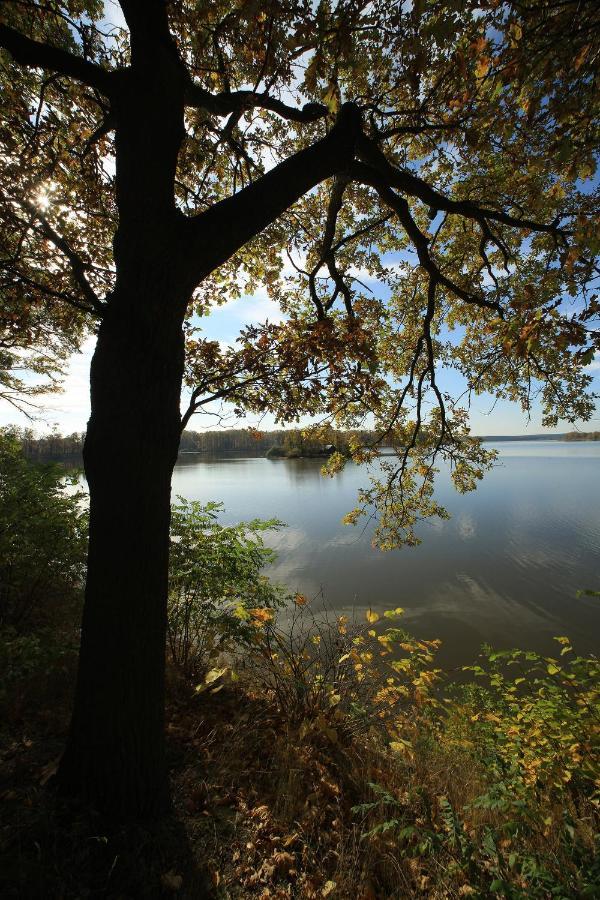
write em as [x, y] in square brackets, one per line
[312, 754]
[283, 443]
[289, 441]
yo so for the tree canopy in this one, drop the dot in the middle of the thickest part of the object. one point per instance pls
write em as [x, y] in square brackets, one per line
[459, 173]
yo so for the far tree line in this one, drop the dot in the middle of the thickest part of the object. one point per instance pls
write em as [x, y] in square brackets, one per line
[582, 436]
[59, 446]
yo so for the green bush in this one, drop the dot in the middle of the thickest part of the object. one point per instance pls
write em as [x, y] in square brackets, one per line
[43, 539]
[217, 591]
[498, 791]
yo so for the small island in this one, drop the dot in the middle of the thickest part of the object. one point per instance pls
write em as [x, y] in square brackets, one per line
[303, 450]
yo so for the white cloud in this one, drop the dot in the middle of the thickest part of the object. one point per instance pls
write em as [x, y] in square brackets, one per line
[248, 310]
[465, 525]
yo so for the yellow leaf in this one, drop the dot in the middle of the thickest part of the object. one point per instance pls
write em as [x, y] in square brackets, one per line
[371, 616]
[392, 613]
[581, 56]
[516, 31]
[214, 675]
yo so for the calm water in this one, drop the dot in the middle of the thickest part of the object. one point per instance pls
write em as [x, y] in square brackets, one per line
[505, 569]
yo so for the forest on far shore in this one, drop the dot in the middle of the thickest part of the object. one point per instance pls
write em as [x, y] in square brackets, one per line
[58, 446]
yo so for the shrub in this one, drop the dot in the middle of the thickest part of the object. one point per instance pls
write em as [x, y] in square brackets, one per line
[217, 591]
[325, 668]
[500, 787]
[487, 788]
[43, 539]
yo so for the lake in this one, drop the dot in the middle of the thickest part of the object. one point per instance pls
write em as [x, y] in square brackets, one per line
[504, 570]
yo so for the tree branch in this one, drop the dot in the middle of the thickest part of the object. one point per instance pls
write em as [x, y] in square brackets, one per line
[335, 205]
[148, 25]
[400, 206]
[216, 234]
[20, 277]
[238, 101]
[77, 264]
[414, 186]
[39, 55]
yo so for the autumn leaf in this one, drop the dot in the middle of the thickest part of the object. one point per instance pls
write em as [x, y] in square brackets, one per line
[482, 67]
[171, 882]
[261, 616]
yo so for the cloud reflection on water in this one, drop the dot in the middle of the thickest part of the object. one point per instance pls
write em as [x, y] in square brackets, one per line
[505, 569]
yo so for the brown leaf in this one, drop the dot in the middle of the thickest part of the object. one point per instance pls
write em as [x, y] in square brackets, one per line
[283, 862]
[171, 881]
[49, 771]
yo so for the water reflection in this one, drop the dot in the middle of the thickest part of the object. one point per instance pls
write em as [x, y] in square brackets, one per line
[505, 569]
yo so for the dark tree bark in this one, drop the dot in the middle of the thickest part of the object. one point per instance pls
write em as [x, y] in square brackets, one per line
[115, 755]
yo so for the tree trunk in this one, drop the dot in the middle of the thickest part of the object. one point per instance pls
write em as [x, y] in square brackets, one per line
[115, 757]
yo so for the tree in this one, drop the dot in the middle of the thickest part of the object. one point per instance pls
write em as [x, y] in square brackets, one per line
[153, 171]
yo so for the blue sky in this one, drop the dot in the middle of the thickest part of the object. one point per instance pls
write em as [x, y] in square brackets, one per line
[69, 411]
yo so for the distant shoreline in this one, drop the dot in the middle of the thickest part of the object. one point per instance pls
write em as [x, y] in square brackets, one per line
[270, 444]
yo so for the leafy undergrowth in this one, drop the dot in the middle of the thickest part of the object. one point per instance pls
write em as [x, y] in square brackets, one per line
[315, 808]
[489, 793]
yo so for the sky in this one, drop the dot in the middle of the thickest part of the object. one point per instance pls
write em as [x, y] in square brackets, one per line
[68, 412]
